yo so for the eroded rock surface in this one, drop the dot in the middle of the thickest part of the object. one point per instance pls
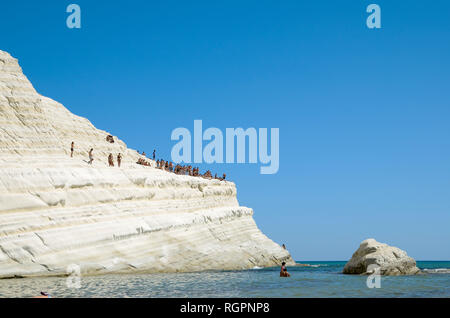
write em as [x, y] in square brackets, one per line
[388, 259]
[56, 210]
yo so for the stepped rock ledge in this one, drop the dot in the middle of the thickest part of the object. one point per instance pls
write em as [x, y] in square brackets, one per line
[56, 211]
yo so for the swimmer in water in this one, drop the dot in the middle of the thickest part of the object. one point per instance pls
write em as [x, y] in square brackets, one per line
[43, 295]
[283, 271]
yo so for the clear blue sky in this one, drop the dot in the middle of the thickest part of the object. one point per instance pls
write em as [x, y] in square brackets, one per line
[364, 115]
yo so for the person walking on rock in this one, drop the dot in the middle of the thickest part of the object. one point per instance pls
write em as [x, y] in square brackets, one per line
[111, 160]
[91, 156]
[72, 145]
[119, 159]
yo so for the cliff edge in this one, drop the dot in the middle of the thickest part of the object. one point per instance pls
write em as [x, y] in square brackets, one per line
[56, 211]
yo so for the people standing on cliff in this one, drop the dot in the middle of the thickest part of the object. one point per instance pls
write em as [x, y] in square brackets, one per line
[283, 271]
[111, 160]
[207, 174]
[224, 176]
[91, 156]
[119, 159]
[154, 154]
[284, 246]
[72, 145]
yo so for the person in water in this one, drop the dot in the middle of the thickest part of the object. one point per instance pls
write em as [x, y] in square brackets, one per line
[283, 271]
[43, 295]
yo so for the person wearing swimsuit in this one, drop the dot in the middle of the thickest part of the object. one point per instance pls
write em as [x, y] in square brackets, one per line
[91, 157]
[283, 271]
[119, 159]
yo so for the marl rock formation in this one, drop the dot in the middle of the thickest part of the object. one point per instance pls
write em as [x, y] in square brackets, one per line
[57, 211]
[374, 257]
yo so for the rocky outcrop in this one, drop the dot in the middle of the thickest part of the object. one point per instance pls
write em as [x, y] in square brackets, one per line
[387, 260]
[56, 211]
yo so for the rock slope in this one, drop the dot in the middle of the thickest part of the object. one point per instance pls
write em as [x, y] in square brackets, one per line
[388, 259]
[56, 211]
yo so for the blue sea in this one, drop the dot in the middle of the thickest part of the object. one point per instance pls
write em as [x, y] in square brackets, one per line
[321, 279]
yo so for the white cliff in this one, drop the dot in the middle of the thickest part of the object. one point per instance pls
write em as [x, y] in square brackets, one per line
[56, 211]
[374, 257]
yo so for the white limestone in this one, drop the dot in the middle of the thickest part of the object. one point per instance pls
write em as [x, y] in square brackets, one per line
[56, 211]
[372, 257]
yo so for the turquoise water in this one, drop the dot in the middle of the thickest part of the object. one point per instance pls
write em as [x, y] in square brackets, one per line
[322, 280]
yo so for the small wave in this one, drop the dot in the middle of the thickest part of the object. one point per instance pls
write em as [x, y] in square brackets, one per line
[437, 270]
[257, 267]
[310, 265]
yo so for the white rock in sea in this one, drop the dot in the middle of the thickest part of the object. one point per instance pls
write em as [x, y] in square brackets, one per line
[56, 211]
[390, 260]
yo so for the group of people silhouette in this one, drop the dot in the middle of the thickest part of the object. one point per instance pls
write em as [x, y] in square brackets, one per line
[186, 170]
[111, 160]
[91, 155]
[160, 164]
